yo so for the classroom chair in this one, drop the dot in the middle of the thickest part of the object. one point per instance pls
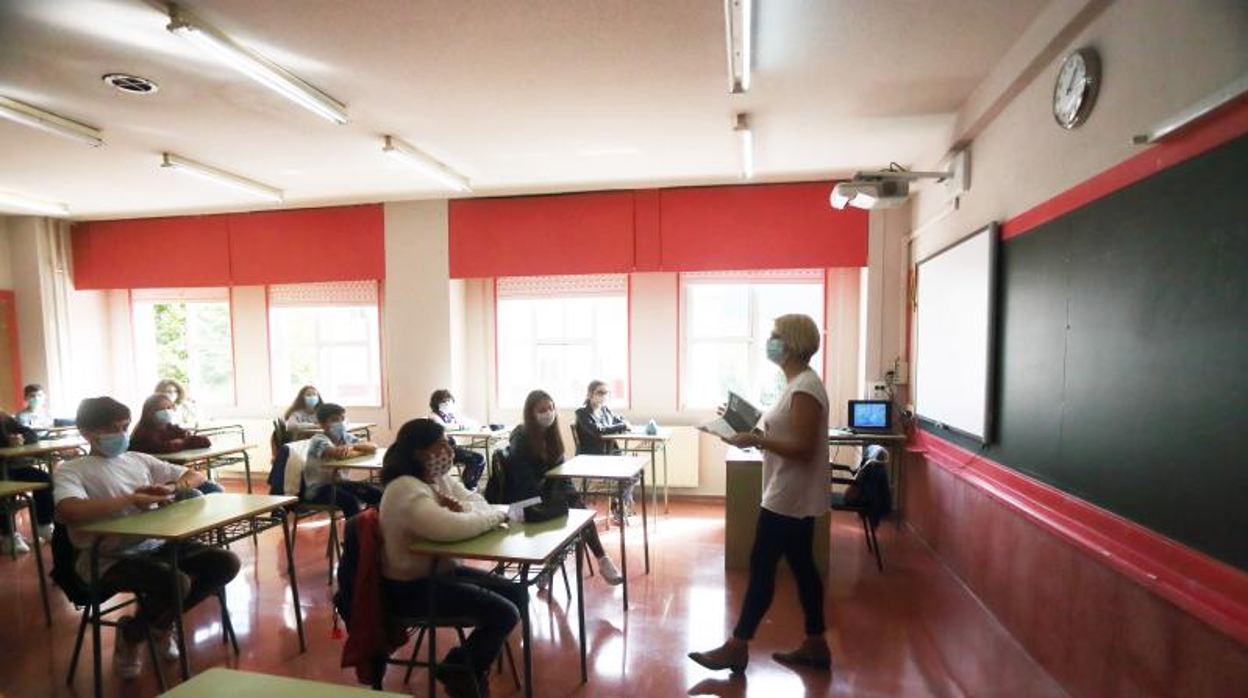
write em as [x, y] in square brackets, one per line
[867, 494]
[289, 456]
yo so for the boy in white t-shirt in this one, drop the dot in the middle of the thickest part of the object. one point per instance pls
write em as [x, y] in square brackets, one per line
[111, 483]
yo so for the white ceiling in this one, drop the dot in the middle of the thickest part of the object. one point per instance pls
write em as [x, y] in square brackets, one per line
[520, 96]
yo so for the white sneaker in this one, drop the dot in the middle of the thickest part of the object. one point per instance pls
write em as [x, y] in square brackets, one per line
[13, 543]
[610, 574]
[166, 644]
[45, 532]
[126, 660]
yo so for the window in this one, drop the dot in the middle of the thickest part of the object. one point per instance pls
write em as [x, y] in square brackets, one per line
[326, 335]
[727, 320]
[558, 333]
[184, 334]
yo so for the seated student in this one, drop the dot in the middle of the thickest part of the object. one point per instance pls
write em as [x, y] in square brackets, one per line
[301, 415]
[442, 404]
[422, 503]
[35, 415]
[12, 433]
[537, 446]
[594, 420]
[336, 443]
[186, 411]
[156, 433]
[111, 483]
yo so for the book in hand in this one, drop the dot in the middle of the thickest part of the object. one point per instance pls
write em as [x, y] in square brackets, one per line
[739, 416]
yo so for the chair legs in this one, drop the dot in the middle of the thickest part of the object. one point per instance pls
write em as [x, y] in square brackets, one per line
[873, 543]
[420, 638]
[73, 662]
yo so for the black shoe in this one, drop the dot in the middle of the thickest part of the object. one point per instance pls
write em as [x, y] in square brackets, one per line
[458, 680]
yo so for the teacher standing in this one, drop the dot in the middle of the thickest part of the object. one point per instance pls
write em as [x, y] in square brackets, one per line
[794, 444]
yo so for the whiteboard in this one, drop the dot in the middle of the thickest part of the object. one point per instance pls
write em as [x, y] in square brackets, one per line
[953, 335]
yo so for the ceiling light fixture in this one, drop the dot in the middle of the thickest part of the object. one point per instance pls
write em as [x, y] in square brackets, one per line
[212, 174]
[22, 113]
[255, 66]
[745, 138]
[738, 20]
[27, 204]
[413, 156]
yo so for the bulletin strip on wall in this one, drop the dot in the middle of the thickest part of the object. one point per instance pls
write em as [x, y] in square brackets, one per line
[343, 243]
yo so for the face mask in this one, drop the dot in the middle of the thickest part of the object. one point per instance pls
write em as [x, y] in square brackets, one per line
[439, 464]
[338, 430]
[311, 401]
[173, 397]
[163, 416]
[446, 407]
[545, 418]
[775, 350]
[35, 401]
[113, 445]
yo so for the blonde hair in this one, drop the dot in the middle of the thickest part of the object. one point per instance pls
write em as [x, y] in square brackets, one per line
[799, 334]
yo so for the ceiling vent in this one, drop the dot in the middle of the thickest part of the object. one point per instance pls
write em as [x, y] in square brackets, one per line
[131, 84]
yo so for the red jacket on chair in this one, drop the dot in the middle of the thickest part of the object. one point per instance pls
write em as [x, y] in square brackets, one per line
[368, 638]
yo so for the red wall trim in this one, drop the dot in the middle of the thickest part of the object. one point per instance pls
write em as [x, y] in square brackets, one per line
[1226, 124]
[1209, 590]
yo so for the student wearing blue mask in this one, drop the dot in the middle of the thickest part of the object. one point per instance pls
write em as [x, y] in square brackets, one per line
[336, 443]
[301, 415]
[35, 415]
[113, 482]
[157, 433]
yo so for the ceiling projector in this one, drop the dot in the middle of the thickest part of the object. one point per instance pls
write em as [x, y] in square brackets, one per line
[870, 193]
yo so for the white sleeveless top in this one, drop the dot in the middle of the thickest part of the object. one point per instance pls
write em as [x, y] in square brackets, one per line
[791, 487]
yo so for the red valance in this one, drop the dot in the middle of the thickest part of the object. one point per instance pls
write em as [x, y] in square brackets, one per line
[343, 243]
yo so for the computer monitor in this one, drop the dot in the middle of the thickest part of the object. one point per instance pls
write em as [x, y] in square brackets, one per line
[870, 415]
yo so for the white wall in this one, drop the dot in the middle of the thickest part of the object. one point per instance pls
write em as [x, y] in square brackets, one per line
[1158, 58]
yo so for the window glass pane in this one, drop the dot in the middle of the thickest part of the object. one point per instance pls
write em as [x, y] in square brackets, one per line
[188, 341]
[714, 368]
[718, 310]
[334, 347]
[549, 315]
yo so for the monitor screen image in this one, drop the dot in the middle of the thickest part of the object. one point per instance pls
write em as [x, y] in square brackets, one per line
[868, 414]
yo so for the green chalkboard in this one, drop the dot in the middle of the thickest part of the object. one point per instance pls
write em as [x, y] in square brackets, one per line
[1122, 354]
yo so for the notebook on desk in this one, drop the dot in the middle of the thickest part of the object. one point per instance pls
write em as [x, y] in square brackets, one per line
[739, 415]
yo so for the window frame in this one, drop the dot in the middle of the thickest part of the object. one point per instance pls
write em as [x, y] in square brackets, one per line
[134, 342]
[283, 402]
[628, 350]
[738, 278]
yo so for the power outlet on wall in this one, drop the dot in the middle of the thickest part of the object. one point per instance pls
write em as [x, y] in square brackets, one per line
[877, 390]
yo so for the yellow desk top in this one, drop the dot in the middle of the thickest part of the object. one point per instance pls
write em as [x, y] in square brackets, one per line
[599, 468]
[43, 448]
[520, 543]
[246, 684]
[664, 434]
[367, 461]
[8, 488]
[194, 455]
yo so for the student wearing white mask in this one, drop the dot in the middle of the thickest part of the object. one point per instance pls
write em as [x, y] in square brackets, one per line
[187, 414]
[301, 415]
[536, 447]
[422, 503]
[156, 433]
[594, 419]
[336, 442]
[445, 412]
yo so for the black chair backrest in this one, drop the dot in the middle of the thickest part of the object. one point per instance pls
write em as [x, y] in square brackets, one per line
[347, 564]
[496, 485]
[64, 564]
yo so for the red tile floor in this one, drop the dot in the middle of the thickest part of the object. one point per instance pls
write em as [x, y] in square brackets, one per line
[912, 630]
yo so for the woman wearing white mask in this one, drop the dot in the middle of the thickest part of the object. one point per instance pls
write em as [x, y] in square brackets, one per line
[794, 442]
[301, 415]
[444, 411]
[422, 503]
[536, 447]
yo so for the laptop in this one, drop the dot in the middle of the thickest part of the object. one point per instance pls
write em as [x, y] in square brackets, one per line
[870, 416]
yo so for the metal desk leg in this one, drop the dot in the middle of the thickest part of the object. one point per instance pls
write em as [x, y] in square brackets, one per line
[184, 660]
[580, 601]
[433, 627]
[43, 585]
[665, 482]
[526, 634]
[247, 470]
[645, 527]
[95, 618]
[290, 572]
[622, 484]
[654, 477]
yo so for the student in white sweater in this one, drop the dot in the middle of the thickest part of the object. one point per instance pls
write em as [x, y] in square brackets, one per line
[422, 503]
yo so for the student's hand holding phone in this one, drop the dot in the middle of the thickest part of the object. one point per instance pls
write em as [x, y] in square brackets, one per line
[151, 495]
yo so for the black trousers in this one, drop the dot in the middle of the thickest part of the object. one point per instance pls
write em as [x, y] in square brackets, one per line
[202, 570]
[779, 536]
[352, 496]
[474, 465]
[43, 497]
[491, 601]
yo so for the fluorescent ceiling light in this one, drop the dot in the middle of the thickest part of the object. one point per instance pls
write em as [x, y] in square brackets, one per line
[745, 138]
[212, 174]
[738, 20]
[255, 66]
[413, 156]
[24, 203]
[21, 113]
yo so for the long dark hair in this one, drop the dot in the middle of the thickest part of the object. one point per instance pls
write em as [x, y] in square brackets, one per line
[589, 392]
[548, 447]
[401, 459]
[147, 418]
[297, 405]
[172, 383]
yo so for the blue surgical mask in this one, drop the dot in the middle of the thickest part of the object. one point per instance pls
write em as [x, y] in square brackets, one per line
[775, 350]
[113, 445]
[35, 401]
[338, 430]
[311, 401]
[163, 416]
